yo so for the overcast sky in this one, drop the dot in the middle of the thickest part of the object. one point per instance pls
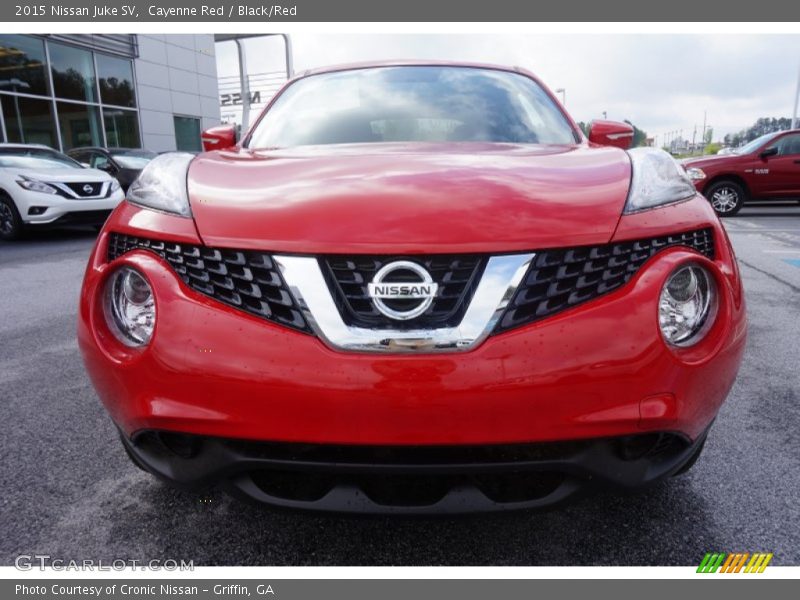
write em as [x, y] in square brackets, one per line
[660, 82]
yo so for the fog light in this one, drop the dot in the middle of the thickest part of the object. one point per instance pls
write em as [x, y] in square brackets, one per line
[687, 304]
[130, 307]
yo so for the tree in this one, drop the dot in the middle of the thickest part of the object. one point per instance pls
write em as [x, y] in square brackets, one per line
[761, 127]
[709, 135]
[639, 136]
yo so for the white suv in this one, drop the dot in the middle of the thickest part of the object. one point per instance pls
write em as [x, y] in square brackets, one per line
[41, 187]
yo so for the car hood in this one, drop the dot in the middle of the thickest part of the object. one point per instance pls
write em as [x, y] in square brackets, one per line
[705, 161]
[67, 175]
[409, 198]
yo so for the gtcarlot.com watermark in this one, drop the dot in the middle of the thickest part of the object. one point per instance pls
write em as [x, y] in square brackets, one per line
[29, 562]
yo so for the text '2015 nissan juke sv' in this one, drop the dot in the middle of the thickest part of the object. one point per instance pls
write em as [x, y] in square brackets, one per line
[413, 288]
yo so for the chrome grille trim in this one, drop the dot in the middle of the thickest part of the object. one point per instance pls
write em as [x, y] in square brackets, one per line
[308, 285]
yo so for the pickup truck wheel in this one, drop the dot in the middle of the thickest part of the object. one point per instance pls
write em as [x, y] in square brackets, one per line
[726, 197]
[11, 226]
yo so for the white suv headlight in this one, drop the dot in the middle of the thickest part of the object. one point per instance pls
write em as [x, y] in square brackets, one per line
[657, 180]
[162, 184]
[36, 186]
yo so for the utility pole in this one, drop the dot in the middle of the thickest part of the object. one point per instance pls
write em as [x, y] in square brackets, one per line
[244, 83]
[703, 141]
[694, 138]
[795, 121]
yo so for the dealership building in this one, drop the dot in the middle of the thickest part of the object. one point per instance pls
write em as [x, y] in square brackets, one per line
[152, 91]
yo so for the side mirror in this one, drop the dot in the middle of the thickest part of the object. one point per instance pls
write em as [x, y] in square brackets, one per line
[769, 152]
[611, 133]
[219, 138]
[107, 167]
[86, 165]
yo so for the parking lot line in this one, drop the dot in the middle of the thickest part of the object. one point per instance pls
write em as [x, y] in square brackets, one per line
[755, 231]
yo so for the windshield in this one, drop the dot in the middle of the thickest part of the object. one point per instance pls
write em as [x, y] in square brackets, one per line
[412, 104]
[756, 143]
[137, 159]
[36, 158]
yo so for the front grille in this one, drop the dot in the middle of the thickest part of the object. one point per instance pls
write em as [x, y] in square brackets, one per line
[457, 276]
[563, 278]
[246, 280]
[91, 188]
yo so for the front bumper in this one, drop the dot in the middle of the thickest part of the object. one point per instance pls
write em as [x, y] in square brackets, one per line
[61, 211]
[596, 372]
[411, 480]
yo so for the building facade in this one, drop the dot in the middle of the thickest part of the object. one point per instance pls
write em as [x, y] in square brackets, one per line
[139, 91]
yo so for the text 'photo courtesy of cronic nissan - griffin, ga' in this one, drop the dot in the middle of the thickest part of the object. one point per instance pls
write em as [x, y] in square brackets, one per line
[414, 288]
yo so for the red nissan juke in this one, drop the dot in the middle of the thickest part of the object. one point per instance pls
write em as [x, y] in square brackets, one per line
[413, 288]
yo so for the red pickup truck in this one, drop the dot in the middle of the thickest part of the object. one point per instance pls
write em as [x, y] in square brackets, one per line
[768, 168]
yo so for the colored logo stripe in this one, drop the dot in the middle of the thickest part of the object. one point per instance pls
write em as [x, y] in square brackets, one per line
[733, 563]
[711, 562]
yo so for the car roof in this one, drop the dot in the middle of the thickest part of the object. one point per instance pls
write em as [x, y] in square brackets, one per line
[112, 150]
[411, 63]
[24, 146]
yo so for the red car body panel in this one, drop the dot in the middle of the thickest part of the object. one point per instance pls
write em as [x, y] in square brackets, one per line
[596, 371]
[491, 197]
[600, 369]
[769, 177]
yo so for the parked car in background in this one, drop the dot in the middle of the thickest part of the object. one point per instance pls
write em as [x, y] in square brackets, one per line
[42, 187]
[768, 168]
[124, 164]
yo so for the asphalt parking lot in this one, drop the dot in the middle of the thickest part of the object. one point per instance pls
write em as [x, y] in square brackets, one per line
[69, 491]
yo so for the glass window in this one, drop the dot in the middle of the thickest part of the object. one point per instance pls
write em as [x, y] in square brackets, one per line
[79, 124]
[187, 134]
[122, 128]
[29, 121]
[413, 104]
[80, 155]
[22, 65]
[99, 161]
[116, 80]
[35, 158]
[73, 73]
[134, 159]
[756, 143]
[789, 145]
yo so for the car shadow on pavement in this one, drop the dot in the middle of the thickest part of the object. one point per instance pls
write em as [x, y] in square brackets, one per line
[211, 528]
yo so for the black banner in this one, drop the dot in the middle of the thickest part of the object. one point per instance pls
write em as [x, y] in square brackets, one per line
[396, 589]
[218, 11]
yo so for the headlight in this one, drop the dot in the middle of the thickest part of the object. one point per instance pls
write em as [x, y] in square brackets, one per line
[130, 307]
[695, 174]
[688, 301]
[114, 185]
[36, 186]
[657, 179]
[162, 184]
